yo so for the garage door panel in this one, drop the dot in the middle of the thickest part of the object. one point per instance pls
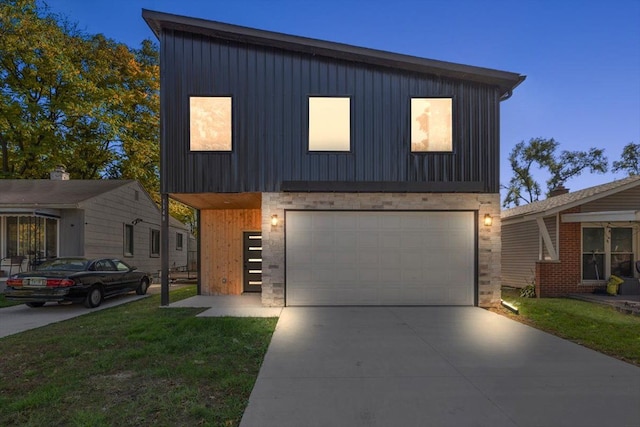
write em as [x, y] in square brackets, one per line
[380, 258]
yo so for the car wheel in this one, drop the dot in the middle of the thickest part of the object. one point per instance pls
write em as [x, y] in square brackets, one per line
[142, 288]
[93, 298]
[35, 304]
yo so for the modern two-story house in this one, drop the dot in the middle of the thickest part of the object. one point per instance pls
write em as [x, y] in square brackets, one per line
[328, 174]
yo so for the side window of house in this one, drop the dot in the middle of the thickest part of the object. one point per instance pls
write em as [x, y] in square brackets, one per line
[210, 123]
[329, 123]
[431, 125]
[154, 241]
[178, 241]
[128, 240]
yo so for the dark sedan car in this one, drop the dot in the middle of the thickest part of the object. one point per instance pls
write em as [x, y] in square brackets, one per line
[76, 280]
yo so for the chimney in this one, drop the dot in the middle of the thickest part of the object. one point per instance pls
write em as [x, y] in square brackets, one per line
[59, 174]
[560, 189]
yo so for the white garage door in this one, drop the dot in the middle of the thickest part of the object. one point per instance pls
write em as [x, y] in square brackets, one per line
[380, 258]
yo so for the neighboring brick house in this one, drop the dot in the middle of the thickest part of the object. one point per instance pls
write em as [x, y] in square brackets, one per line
[42, 219]
[573, 242]
[329, 174]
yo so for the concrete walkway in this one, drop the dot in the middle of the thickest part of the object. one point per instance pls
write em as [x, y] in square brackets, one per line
[246, 305]
[433, 366]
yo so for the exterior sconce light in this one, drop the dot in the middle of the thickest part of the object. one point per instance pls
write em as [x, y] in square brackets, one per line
[488, 220]
[274, 220]
[136, 221]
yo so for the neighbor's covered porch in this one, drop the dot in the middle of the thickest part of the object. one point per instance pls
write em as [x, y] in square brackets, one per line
[580, 251]
[27, 237]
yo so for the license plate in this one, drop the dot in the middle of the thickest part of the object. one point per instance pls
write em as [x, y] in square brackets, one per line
[37, 281]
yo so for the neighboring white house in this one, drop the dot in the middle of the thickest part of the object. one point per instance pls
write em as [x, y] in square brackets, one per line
[41, 219]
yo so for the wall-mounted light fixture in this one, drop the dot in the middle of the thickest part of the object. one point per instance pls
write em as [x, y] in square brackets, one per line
[136, 221]
[274, 220]
[488, 220]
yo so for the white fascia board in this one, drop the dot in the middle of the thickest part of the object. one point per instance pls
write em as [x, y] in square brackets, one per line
[608, 216]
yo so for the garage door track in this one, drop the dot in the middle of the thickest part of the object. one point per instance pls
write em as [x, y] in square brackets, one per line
[433, 366]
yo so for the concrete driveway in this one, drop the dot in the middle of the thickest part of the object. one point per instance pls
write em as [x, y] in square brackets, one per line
[20, 318]
[433, 366]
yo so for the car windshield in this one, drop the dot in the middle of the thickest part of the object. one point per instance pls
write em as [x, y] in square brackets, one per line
[74, 264]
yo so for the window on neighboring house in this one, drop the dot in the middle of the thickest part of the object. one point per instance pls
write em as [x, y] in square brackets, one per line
[329, 123]
[431, 125]
[593, 253]
[210, 123]
[155, 243]
[178, 241]
[34, 237]
[607, 251]
[621, 251]
[128, 240]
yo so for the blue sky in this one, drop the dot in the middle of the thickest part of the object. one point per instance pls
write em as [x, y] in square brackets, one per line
[581, 57]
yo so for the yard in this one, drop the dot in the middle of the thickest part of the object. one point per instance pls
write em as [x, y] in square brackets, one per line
[138, 364]
[594, 326]
[135, 364]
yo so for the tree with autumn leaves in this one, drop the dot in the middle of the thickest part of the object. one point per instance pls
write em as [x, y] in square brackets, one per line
[76, 99]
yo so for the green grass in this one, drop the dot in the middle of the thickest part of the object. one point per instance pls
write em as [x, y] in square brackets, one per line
[5, 303]
[133, 365]
[595, 326]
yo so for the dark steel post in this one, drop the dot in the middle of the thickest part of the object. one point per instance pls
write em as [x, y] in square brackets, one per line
[164, 251]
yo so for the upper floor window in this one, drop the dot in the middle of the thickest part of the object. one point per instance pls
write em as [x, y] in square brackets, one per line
[210, 123]
[329, 124]
[431, 128]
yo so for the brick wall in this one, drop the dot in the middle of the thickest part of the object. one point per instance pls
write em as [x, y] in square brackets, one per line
[559, 278]
[273, 239]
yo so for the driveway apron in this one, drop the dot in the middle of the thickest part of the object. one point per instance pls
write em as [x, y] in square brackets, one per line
[433, 366]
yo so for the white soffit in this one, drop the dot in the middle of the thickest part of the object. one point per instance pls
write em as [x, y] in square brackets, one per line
[610, 216]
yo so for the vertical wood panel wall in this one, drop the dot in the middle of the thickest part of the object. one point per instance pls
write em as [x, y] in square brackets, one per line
[221, 248]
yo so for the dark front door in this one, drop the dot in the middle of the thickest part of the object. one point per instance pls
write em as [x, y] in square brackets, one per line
[252, 261]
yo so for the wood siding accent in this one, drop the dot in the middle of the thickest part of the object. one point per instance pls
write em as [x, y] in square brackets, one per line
[270, 89]
[221, 242]
[520, 250]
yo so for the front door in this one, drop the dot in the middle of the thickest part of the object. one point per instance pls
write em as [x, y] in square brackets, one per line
[252, 261]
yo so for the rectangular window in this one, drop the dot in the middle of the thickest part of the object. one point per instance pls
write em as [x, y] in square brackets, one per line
[622, 251]
[155, 243]
[210, 123]
[128, 240]
[178, 241]
[329, 124]
[31, 236]
[593, 253]
[431, 125]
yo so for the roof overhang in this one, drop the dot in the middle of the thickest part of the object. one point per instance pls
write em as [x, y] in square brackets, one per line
[45, 213]
[219, 200]
[609, 216]
[504, 80]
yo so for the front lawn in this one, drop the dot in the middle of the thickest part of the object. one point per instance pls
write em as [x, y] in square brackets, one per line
[133, 365]
[5, 303]
[595, 326]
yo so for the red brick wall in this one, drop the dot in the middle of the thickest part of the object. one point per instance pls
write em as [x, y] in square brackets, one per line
[558, 278]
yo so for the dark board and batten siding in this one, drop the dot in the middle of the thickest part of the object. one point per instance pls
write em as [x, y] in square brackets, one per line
[270, 88]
